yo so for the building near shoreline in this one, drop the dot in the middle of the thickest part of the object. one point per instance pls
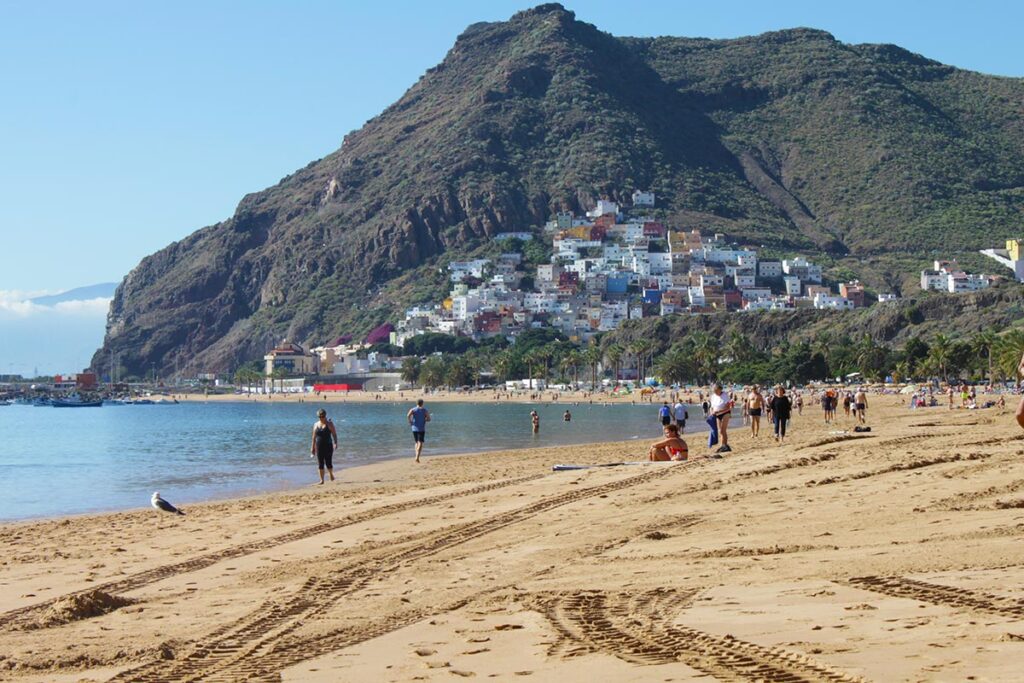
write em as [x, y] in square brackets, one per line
[291, 359]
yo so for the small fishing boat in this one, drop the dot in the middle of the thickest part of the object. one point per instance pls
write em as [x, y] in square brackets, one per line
[75, 401]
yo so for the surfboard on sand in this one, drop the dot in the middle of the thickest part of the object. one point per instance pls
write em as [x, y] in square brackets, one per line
[566, 468]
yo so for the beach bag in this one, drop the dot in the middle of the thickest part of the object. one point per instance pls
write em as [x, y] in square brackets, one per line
[860, 428]
[713, 433]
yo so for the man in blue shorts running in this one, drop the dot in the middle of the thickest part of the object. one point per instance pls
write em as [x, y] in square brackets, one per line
[418, 418]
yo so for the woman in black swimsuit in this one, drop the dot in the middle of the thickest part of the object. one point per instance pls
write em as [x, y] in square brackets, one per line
[325, 440]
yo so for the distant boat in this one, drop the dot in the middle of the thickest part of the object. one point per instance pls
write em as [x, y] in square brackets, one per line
[75, 401]
[6, 403]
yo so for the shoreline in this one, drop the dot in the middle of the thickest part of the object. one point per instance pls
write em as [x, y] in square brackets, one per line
[799, 557]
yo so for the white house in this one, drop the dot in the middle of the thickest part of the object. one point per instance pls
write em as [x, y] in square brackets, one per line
[769, 269]
[958, 282]
[461, 269]
[641, 198]
[933, 280]
[792, 285]
[603, 208]
[660, 263]
[840, 303]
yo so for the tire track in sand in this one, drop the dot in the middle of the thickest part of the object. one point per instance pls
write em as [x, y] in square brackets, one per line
[261, 643]
[948, 596]
[26, 615]
[640, 630]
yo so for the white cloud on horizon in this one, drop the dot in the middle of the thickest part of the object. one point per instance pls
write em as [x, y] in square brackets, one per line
[18, 304]
[58, 338]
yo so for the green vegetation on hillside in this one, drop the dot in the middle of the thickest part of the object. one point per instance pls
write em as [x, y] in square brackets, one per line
[868, 154]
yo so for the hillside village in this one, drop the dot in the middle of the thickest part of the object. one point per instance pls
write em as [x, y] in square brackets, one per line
[616, 264]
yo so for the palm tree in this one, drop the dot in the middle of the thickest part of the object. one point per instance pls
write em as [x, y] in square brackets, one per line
[531, 358]
[544, 355]
[901, 371]
[278, 373]
[939, 353]
[738, 347]
[674, 366]
[592, 356]
[410, 369]
[706, 354]
[570, 363]
[869, 357]
[982, 344]
[614, 355]
[641, 348]
[1009, 352]
[502, 364]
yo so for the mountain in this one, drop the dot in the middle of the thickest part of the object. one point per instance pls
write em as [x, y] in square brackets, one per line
[867, 155]
[104, 290]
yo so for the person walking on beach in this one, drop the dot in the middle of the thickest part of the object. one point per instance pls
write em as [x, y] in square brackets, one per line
[418, 418]
[782, 408]
[672, 447]
[860, 405]
[721, 410]
[325, 441]
[681, 415]
[665, 413]
[535, 421]
[755, 404]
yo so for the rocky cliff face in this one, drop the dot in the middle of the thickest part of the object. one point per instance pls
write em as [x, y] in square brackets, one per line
[790, 138]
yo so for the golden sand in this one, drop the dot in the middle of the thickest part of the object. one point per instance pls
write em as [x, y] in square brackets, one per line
[889, 556]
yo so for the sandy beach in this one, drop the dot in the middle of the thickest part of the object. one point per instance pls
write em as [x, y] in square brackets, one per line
[893, 555]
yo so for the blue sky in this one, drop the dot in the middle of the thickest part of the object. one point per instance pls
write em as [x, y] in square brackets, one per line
[125, 125]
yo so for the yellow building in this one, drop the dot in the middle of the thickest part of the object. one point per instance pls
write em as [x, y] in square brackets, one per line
[290, 358]
[1014, 248]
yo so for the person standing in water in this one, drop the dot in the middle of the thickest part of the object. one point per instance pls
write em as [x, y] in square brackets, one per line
[665, 414]
[680, 414]
[567, 417]
[325, 441]
[535, 421]
[418, 418]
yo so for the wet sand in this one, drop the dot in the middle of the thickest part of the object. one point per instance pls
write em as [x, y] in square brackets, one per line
[887, 556]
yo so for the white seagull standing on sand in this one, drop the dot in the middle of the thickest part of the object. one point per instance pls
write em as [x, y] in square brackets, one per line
[161, 504]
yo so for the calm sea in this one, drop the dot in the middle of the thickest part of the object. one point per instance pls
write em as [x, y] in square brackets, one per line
[56, 461]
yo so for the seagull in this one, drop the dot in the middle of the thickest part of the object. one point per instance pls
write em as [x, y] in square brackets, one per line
[161, 504]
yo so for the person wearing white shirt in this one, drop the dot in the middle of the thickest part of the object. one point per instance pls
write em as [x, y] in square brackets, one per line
[680, 413]
[721, 408]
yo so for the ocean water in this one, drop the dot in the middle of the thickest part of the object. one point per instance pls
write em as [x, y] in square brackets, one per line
[56, 461]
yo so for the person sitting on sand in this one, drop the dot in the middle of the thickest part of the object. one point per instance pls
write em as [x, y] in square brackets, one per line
[672, 447]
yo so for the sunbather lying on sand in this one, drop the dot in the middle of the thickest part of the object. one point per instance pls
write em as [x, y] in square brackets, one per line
[672, 447]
